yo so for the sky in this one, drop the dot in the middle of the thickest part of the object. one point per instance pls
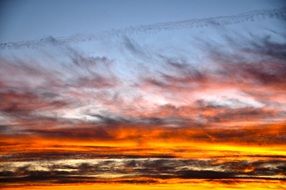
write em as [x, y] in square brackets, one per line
[142, 94]
[32, 19]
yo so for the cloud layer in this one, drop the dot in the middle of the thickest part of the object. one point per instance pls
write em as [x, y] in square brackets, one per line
[67, 115]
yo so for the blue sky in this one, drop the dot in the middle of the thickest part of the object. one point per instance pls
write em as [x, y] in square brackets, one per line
[33, 19]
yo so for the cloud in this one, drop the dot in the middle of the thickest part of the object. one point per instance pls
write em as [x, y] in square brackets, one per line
[152, 168]
[151, 126]
[195, 99]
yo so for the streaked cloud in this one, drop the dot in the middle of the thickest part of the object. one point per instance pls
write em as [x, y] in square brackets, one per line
[67, 115]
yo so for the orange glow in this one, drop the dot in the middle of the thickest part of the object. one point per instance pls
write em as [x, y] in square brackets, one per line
[170, 185]
[153, 144]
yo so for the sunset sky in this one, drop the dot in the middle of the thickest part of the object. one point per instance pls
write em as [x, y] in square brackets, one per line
[165, 94]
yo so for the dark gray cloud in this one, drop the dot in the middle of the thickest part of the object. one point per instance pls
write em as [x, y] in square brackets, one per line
[157, 168]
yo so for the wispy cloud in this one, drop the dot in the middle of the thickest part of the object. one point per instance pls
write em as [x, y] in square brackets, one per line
[174, 120]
